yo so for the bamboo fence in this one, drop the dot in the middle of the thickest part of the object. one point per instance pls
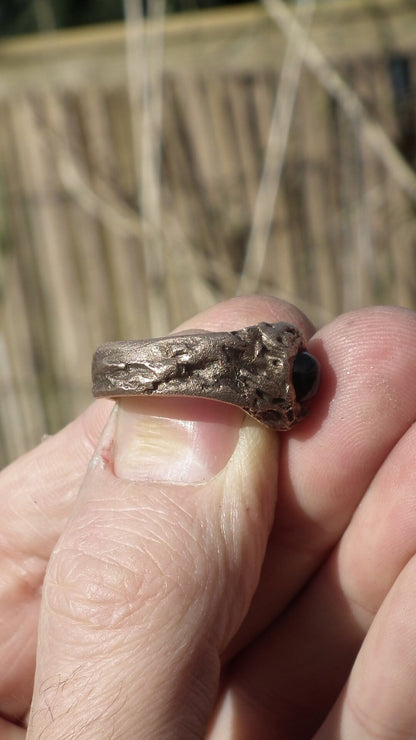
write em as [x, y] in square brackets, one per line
[138, 182]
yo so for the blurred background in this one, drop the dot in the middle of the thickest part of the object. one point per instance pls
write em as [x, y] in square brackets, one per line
[156, 158]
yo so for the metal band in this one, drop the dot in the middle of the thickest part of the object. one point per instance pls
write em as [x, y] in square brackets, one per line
[252, 368]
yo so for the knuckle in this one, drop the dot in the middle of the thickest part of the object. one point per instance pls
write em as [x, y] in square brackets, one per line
[89, 590]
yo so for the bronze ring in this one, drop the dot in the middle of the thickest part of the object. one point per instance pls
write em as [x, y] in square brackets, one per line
[263, 369]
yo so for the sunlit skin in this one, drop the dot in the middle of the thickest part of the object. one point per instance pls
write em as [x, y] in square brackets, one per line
[274, 599]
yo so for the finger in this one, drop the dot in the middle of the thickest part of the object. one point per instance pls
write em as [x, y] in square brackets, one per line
[379, 699]
[291, 676]
[10, 731]
[284, 683]
[378, 545]
[294, 672]
[47, 480]
[365, 404]
[36, 495]
[155, 570]
[152, 577]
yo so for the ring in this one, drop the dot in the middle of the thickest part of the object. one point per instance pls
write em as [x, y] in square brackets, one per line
[263, 369]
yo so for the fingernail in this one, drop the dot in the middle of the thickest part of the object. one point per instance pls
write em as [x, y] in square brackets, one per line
[176, 440]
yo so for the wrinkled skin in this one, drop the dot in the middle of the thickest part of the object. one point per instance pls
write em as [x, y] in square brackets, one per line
[277, 599]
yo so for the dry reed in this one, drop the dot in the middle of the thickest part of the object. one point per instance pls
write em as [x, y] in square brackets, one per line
[118, 221]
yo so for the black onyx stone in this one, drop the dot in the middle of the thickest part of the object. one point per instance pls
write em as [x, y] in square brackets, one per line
[306, 372]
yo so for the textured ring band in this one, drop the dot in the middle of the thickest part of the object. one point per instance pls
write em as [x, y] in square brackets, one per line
[263, 369]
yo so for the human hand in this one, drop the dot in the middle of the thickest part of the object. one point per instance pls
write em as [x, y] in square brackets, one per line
[169, 607]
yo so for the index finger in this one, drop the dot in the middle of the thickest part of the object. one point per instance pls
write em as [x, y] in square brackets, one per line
[365, 404]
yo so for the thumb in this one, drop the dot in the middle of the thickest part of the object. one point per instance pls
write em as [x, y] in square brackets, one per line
[155, 571]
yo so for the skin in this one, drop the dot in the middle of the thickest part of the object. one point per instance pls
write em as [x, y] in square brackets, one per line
[277, 599]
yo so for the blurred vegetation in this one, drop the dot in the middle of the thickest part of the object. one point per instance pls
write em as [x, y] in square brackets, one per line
[118, 221]
[26, 16]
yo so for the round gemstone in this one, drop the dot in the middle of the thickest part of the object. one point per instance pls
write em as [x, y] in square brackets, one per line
[306, 372]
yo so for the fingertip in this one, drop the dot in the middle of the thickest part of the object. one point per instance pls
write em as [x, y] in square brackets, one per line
[246, 310]
[366, 401]
[371, 355]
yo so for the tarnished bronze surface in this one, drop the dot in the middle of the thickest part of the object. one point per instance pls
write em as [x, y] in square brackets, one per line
[252, 368]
